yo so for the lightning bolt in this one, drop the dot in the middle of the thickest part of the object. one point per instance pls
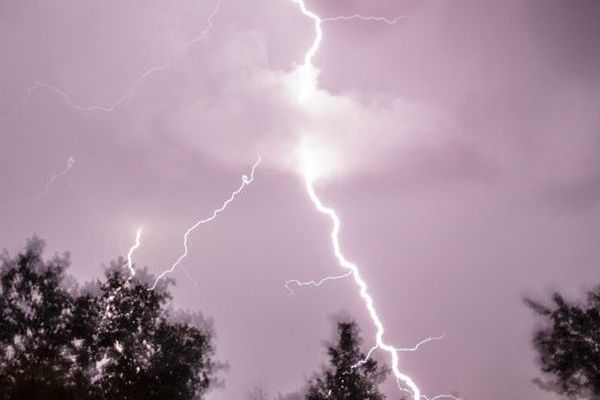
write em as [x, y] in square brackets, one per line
[126, 98]
[246, 180]
[132, 249]
[363, 288]
[308, 86]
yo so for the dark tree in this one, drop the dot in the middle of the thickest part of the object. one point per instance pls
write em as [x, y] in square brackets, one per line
[137, 350]
[348, 376]
[115, 339]
[568, 345]
[35, 323]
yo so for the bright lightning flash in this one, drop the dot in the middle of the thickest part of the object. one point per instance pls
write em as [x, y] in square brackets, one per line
[246, 180]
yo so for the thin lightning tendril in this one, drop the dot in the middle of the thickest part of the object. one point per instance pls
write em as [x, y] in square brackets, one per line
[372, 18]
[246, 180]
[126, 98]
[308, 76]
[421, 343]
[54, 177]
[313, 283]
[402, 349]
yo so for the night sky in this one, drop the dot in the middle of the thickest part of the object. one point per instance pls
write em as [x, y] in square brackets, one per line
[460, 146]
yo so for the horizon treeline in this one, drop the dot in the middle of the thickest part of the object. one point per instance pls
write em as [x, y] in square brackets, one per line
[119, 338]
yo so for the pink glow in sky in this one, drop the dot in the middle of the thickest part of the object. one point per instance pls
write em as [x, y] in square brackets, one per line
[461, 147]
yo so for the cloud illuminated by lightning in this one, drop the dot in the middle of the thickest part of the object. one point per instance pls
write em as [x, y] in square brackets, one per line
[246, 180]
[124, 99]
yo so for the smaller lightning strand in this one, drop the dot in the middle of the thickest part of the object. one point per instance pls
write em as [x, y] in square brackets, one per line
[437, 397]
[47, 185]
[371, 18]
[67, 99]
[313, 282]
[246, 180]
[124, 99]
[54, 177]
[421, 343]
[441, 396]
[132, 249]
[401, 349]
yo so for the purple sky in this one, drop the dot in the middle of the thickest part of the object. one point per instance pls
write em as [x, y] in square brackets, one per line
[464, 142]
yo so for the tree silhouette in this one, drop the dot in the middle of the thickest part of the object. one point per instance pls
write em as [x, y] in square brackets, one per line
[568, 345]
[114, 339]
[349, 375]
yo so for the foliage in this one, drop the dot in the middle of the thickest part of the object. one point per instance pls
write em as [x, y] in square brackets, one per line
[35, 322]
[115, 339]
[348, 376]
[568, 345]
